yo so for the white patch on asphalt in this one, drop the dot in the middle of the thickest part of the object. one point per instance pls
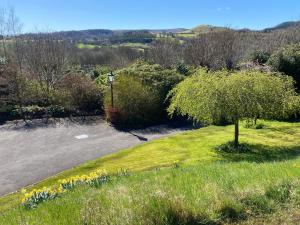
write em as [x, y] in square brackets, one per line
[82, 136]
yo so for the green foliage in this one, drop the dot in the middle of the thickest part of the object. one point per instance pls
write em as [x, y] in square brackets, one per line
[281, 193]
[57, 111]
[184, 69]
[141, 89]
[207, 96]
[82, 93]
[274, 197]
[287, 60]
[155, 76]
[37, 93]
[253, 124]
[38, 196]
[32, 111]
[100, 74]
[257, 204]
[136, 103]
[260, 57]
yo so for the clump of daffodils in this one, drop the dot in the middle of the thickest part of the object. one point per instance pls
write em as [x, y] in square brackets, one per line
[94, 179]
[33, 198]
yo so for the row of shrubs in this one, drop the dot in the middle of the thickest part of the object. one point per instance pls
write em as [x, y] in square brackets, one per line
[140, 90]
[75, 94]
[35, 111]
[140, 93]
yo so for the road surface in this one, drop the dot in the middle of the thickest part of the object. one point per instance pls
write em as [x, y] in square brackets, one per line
[29, 154]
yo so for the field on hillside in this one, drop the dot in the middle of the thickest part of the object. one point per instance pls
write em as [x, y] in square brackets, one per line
[131, 45]
[183, 179]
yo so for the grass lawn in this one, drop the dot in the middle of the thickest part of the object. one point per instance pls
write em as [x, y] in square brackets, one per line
[209, 186]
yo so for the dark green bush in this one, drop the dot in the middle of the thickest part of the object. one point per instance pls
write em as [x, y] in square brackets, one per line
[287, 60]
[57, 111]
[260, 57]
[157, 78]
[135, 104]
[185, 69]
[29, 112]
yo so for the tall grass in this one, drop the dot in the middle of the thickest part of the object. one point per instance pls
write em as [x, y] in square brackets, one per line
[207, 193]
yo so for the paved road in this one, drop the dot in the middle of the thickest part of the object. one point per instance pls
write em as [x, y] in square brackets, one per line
[30, 154]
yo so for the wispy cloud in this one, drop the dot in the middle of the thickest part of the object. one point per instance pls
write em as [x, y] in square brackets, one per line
[227, 8]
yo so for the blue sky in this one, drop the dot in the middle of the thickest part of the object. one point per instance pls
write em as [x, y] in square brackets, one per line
[138, 14]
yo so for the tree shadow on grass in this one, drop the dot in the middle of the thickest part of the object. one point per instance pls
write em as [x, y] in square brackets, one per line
[258, 153]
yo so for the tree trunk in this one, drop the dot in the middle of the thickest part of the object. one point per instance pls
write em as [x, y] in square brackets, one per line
[236, 133]
[4, 47]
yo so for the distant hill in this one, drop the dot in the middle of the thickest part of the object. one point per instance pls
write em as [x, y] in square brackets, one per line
[85, 34]
[175, 30]
[285, 25]
[146, 36]
[206, 29]
[105, 36]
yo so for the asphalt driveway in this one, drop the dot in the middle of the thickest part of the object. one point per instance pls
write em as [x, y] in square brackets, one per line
[29, 154]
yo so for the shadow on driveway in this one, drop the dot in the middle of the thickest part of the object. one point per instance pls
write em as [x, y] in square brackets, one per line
[32, 152]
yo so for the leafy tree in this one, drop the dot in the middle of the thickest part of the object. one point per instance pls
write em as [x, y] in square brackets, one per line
[208, 96]
[287, 60]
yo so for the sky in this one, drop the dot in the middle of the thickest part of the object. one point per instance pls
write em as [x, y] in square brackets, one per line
[58, 15]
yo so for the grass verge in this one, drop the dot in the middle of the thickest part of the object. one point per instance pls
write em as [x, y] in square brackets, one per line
[274, 158]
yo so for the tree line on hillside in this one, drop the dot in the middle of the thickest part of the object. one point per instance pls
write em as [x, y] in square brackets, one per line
[46, 75]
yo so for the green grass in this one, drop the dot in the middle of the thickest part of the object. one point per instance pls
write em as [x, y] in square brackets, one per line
[83, 46]
[208, 186]
[187, 35]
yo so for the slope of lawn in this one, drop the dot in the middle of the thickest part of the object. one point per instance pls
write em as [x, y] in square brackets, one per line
[208, 186]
